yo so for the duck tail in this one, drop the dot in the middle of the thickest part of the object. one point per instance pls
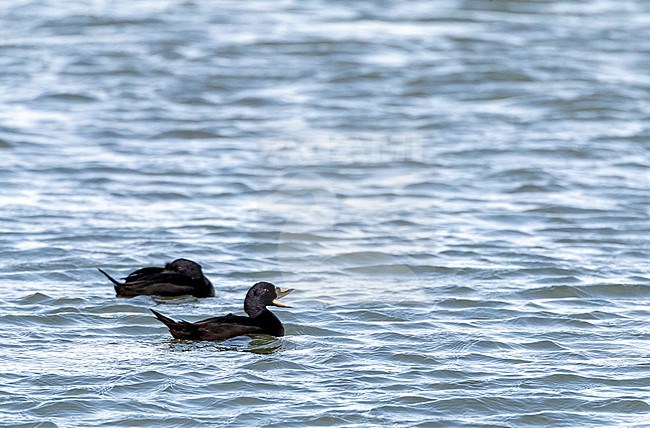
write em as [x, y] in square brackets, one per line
[113, 280]
[170, 323]
[178, 329]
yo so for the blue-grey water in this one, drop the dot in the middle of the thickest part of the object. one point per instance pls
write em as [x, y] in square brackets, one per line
[459, 192]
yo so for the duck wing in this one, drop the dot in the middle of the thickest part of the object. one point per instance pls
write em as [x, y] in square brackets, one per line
[140, 274]
[225, 327]
[164, 284]
[217, 328]
[226, 331]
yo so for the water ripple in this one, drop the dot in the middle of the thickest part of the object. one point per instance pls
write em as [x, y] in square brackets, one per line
[456, 190]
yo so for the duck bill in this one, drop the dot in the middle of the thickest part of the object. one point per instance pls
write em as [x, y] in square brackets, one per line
[280, 294]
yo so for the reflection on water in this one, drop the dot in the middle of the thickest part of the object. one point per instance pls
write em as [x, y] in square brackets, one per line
[257, 345]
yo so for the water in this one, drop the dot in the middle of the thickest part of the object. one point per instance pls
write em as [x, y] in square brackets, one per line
[457, 190]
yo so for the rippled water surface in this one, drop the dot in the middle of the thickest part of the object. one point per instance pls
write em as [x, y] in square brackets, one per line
[458, 191]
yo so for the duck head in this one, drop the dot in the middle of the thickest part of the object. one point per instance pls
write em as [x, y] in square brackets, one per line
[261, 295]
[186, 267]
